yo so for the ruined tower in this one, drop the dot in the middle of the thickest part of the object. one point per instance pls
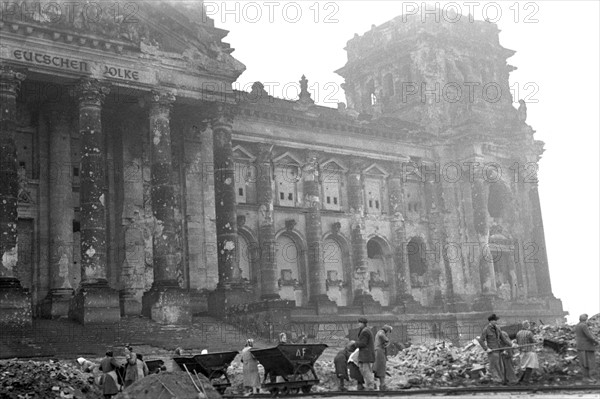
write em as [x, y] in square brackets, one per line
[439, 74]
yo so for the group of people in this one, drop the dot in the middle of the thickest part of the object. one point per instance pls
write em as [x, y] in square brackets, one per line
[500, 350]
[364, 360]
[111, 379]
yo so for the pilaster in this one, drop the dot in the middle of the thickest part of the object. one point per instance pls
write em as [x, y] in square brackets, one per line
[15, 301]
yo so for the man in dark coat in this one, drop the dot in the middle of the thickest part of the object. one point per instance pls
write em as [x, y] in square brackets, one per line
[366, 354]
[491, 339]
[341, 364]
[585, 348]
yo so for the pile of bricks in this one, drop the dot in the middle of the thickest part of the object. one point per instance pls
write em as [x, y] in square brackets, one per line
[45, 379]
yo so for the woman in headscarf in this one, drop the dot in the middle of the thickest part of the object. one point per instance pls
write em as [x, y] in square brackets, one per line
[283, 338]
[86, 365]
[251, 376]
[131, 370]
[109, 382]
[341, 364]
[381, 343]
[142, 367]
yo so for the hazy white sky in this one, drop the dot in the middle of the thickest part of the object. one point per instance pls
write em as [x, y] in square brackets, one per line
[557, 50]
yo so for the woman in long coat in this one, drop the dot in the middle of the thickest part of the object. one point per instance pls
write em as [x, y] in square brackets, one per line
[251, 376]
[109, 381]
[381, 343]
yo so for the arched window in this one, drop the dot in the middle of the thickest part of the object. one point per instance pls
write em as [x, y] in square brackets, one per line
[416, 261]
[388, 85]
[376, 260]
[498, 197]
[370, 93]
[288, 260]
[245, 258]
[333, 260]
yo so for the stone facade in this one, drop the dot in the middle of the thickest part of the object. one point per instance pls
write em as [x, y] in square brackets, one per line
[136, 181]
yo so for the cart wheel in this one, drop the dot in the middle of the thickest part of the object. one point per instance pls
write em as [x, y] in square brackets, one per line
[285, 390]
[294, 391]
[306, 388]
[274, 391]
[222, 390]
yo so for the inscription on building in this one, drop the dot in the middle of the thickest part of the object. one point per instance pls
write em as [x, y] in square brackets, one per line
[51, 60]
[121, 73]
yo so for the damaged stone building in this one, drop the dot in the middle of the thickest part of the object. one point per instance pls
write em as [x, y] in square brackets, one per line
[135, 180]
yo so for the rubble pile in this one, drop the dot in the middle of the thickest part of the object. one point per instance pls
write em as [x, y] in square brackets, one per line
[442, 364]
[45, 379]
[564, 366]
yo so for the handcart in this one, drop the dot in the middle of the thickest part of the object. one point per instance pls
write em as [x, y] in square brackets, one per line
[293, 363]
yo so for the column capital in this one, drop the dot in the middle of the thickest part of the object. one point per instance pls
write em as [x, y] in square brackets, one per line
[10, 79]
[162, 97]
[91, 92]
[223, 114]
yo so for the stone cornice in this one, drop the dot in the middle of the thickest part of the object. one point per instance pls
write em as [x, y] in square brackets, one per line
[346, 125]
[56, 34]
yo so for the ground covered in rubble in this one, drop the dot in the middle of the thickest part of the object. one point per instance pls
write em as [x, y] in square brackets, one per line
[45, 379]
[437, 364]
[442, 364]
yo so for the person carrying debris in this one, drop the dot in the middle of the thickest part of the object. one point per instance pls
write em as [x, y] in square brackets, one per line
[529, 359]
[341, 364]
[353, 369]
[250, 370]
[490, 340]
[382, 342]
[585, 348]
[366, 354]
[108, 380]
[86, 365]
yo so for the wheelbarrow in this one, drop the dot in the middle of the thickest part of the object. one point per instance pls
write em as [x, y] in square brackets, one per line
[294, 363]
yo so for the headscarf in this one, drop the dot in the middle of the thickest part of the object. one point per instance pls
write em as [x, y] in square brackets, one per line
[387, 328]
[351, 346]
[249, 342]
[80, 360]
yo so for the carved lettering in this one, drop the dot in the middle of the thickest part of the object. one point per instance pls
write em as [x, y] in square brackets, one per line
[47, 59]
[121, 73]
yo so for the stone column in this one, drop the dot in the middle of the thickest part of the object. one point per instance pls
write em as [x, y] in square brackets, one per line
[15, 302]
[317, 288]
[403, 296]
[166, 302]
[266, 233]
[479, 198]
[226, 207]
[60, 212]
[94, 301]
[132, 258]
[356, 202]
[230, 290]
[539, 243]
